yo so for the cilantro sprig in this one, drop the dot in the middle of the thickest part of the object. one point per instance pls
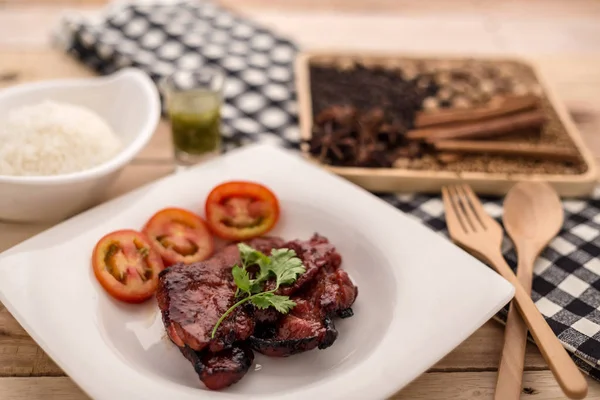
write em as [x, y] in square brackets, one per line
[282, 264]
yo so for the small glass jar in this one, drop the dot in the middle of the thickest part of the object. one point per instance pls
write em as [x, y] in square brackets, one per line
[193, 102]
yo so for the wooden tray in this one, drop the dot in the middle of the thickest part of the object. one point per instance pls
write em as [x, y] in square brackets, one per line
[389, 180]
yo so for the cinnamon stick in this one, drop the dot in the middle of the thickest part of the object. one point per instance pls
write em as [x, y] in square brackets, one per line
[495, 108]
[539, 152]
[481, 129]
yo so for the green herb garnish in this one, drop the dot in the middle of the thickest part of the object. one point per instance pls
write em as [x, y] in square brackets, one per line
[283, 265]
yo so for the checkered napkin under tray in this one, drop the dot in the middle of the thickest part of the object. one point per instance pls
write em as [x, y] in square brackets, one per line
[261, 107]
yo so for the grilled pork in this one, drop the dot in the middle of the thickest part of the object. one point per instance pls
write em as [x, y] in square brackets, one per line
[220, 370]
[315, 254]
[309, 324]
[193, 297]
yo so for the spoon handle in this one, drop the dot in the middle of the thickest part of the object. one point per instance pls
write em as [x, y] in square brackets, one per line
[562, 366]
[510, 372]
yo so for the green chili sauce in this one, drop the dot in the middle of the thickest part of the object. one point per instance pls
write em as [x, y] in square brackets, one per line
[196, 122]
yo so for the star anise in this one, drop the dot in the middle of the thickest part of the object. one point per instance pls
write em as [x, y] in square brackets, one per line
[342, 135]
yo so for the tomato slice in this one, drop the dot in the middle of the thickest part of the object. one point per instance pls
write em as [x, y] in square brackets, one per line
[126, 266]
[179, 236]
[241, 210]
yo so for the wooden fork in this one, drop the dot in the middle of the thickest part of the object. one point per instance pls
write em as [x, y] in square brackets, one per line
[474, 230]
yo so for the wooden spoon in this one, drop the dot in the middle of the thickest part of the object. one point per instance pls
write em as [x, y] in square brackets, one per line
[533, 216]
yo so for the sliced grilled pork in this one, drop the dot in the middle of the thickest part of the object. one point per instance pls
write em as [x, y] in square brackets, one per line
[315, 254]
[309, 324]
[293, 335]
[220, 370]
[336, 292]
[193, 297]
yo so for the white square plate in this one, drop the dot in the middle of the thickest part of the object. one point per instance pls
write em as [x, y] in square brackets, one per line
[419, 295]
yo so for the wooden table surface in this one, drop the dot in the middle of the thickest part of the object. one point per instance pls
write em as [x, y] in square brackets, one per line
[561, 36]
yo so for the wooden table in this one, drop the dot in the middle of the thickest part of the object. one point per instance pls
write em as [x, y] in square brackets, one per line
[562, 38]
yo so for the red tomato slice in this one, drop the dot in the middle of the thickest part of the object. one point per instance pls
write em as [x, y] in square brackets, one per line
[241, 210]
[126, 266]
[179, 236]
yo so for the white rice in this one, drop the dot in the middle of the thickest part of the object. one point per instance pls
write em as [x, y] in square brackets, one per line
[52, 138]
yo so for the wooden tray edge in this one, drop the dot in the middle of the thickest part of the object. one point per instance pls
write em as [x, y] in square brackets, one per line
[394, 180]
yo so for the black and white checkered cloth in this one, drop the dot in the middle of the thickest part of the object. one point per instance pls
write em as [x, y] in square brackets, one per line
[260, 106]
[260, 103]
[566, 284]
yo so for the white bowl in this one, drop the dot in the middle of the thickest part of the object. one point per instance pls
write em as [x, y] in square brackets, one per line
[128, 100]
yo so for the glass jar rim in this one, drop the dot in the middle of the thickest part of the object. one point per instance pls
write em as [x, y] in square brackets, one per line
[209, 77]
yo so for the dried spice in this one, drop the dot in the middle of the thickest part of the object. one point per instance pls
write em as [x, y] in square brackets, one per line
[342, 135]
[366, 89]
[381, 99]
[470, 83]
[361, 115]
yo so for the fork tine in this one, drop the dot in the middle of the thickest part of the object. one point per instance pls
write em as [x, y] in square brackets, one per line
[463, 208]
[469, 210]
[453, 220]
[480, 212]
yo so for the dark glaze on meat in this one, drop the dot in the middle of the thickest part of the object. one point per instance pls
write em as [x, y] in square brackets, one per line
[347, 313]
[263, 316]
[336, 292]
[193, 297]
[309, 324]
[314, 253]
[222, 369]
[292, 336]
